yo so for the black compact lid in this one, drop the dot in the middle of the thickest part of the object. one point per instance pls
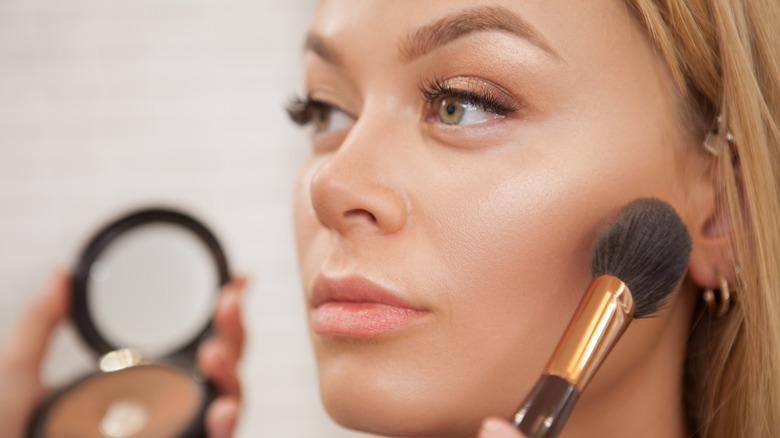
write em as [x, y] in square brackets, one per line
[101, 241]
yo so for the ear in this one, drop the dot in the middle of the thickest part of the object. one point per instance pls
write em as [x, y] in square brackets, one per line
[711, 233]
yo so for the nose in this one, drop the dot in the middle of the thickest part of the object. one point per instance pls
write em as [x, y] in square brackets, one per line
[357, 188]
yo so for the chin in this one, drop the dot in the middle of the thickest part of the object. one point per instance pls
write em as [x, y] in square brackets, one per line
[387, 416]
[404, 399]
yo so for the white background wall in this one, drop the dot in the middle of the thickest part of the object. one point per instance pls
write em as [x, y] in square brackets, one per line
[108, 105]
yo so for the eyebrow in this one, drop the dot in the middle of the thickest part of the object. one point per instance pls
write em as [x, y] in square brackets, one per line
[445, 30]
[484, 18]
[319, 45]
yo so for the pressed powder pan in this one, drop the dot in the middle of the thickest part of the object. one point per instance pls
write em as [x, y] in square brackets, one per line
[143, 293]
[141, 401]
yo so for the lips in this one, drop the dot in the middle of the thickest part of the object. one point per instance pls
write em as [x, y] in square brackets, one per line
[357, 307]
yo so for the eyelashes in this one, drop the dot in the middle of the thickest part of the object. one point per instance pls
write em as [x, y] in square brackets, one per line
[469, 90]
[323, 116]
[472, 91]
[301, 109]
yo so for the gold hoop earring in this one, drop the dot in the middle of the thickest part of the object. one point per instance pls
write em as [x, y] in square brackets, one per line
[718, 304]
[712, 142]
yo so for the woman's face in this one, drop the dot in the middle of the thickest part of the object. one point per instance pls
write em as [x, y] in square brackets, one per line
[464, 155]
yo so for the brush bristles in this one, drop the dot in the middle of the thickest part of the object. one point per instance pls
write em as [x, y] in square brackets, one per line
[646, 246]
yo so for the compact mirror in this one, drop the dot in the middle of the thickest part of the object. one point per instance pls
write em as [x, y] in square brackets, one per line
[152, 288]
[148, 282]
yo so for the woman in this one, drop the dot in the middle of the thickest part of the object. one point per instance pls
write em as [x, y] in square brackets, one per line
[464, 156]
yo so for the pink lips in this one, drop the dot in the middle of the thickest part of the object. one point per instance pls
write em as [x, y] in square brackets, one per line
[356, 307]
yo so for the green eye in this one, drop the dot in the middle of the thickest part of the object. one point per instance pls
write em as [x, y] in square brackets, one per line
[321, 118]
[327, 118]
[451, 110]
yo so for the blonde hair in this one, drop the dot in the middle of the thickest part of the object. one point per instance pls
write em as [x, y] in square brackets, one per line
[723, 55]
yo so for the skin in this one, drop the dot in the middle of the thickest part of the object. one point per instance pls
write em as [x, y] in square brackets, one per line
[489, 227]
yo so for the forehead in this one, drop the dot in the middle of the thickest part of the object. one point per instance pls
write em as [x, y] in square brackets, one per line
[555, 25]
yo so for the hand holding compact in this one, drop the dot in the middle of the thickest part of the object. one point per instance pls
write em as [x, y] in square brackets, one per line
[21, 357]
[152, 297]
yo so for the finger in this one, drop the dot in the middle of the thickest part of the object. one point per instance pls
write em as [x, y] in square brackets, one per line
[498, 428]
[221, 417]
[227, 316]
[28, 340]
[219, 365]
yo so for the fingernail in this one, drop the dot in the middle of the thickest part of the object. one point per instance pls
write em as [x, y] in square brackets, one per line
[241, 280]
[495, 428]
[236, 284]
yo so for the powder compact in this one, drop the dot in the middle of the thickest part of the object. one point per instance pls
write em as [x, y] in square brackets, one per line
[143, 294]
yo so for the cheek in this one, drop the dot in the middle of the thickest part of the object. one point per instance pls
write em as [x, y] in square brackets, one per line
[527, 224]
[513, 242]
[513, 255]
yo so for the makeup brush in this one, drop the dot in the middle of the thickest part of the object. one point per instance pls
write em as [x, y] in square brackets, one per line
[638, 259]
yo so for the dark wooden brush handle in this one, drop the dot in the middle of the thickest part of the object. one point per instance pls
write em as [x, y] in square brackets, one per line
[546, 408]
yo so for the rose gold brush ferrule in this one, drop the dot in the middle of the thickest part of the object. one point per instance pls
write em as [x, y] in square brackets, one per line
[601, 318]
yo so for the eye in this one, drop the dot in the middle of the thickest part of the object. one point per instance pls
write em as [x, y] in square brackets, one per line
[452, 110]
[466, 101]
[327, 118]
[323, 116]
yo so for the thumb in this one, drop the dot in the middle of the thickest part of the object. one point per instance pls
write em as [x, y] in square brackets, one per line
[498, 428]
[27, 343]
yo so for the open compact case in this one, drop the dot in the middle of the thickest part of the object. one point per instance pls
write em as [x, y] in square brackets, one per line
[143, 294]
